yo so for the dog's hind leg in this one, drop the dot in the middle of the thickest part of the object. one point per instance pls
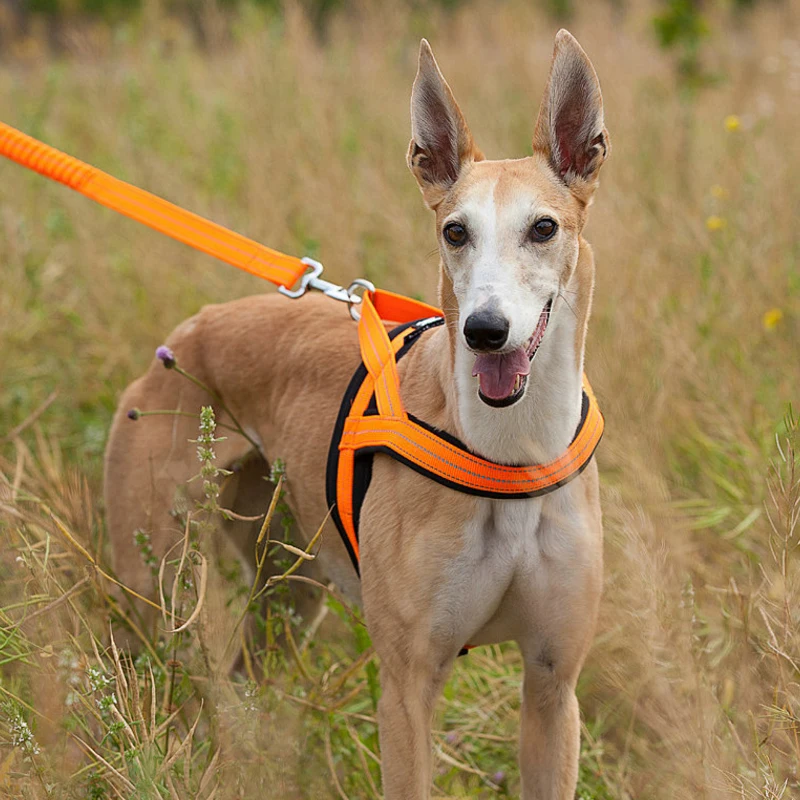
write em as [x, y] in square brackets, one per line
[248, 494]
[149, 465]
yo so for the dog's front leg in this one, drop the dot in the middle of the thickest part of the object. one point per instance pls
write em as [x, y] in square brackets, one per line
[562, 610]
[411, 531]
[405, 717]
[415, 654]
[550, 734]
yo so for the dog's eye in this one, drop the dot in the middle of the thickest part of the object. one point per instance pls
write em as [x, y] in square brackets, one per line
[543, 229]
[455, 234]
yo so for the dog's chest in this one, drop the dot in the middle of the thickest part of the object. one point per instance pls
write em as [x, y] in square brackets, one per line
[504, 531]
[510, 549]
[496, 542]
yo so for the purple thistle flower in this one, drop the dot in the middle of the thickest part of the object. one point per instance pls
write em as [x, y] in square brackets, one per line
[134, 414]
[166, 356]
[498, 779]
[451, 738]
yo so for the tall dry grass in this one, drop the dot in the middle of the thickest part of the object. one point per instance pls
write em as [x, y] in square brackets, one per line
[691, 689]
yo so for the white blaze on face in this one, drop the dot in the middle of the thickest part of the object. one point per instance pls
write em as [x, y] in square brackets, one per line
[500, 269]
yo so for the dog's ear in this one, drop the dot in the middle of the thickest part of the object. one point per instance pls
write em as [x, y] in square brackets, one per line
[441, 143]
[570, 131]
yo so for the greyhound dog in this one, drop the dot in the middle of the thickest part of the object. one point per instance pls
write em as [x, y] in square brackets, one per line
[439, 568]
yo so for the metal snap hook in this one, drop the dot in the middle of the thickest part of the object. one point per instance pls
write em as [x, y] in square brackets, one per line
[365, 286]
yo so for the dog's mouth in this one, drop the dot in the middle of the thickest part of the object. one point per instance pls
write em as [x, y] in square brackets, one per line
[503, 377]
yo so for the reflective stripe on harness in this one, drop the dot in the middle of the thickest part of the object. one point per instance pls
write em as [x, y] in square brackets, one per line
[372, 419]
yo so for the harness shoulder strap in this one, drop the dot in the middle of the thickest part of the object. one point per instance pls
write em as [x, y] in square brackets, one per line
[349, 473]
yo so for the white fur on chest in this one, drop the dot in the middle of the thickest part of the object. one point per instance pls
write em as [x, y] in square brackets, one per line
[510, 548]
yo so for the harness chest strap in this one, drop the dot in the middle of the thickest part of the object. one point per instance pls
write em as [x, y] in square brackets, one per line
[372, 419]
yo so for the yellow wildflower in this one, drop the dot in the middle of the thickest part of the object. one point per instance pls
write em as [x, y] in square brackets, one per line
[720, 192]
[772, 318]
[714, 223]
[732, 123]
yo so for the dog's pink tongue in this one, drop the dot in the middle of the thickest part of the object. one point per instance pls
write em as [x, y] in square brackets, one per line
[497, 373]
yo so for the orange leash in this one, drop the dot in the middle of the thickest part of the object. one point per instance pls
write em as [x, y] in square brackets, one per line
[156, 213]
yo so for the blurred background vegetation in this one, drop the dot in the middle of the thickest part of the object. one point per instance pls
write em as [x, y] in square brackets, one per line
[289, 122]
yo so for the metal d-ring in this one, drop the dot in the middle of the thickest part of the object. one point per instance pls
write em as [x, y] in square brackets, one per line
[358, 283]
[312, 280]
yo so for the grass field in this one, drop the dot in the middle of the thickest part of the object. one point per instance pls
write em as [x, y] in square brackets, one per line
[692, 689]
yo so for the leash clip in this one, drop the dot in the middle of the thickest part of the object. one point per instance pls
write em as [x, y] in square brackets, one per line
[311, 280]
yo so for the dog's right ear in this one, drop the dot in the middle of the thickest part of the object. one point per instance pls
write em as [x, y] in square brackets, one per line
[441, 143]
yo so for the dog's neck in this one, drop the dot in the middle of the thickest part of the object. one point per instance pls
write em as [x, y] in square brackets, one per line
[539, 427]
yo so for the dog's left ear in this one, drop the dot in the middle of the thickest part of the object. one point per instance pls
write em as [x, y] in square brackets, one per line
[570, 131]
[441, 144]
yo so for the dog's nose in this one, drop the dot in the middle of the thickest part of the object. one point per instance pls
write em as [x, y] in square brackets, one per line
[486, 330]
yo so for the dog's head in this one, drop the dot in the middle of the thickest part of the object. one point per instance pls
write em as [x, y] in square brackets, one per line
[509, 231]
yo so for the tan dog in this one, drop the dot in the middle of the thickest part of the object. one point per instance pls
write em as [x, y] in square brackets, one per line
[439, 568]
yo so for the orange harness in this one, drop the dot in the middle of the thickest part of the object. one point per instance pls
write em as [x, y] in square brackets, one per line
[372, 417]
[372, 420]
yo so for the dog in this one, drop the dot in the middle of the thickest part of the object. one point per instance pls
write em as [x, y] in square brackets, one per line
[439, 568]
